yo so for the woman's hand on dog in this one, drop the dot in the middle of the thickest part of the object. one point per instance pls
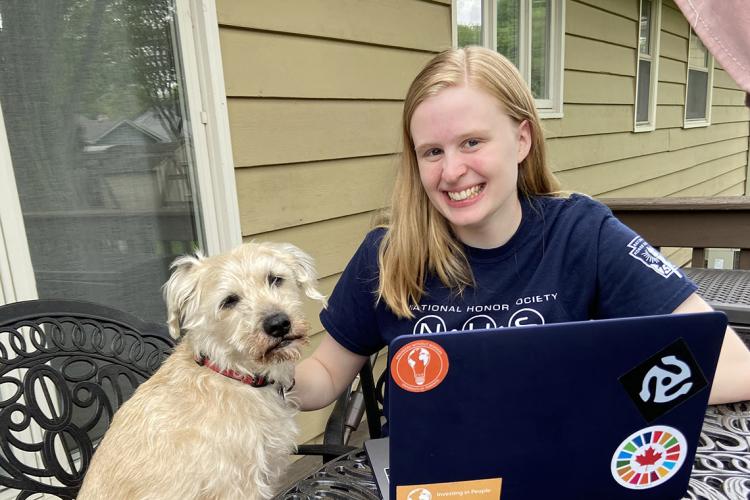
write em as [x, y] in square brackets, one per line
[322, 377]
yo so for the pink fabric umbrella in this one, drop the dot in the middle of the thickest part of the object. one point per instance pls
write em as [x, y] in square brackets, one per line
[724, 28]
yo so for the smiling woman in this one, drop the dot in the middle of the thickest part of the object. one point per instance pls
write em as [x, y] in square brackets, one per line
[468, 151]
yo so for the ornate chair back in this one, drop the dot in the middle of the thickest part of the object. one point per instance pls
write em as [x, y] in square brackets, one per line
[65, 369]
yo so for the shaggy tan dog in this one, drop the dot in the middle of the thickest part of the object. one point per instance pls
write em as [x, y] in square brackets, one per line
[214, 421]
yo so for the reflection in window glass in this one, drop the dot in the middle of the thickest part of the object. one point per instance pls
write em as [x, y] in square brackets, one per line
[540, 48]
[644, 89]
[696, 95]
[645, 100]
[644, 37]
[697, 99]
[469, 13]
[698, 52]
[96, 122]
[508, 22]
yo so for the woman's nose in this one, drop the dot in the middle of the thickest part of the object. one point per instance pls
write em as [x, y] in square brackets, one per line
[453, 167]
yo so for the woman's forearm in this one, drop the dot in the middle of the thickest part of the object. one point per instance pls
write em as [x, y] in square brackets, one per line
[322, 377]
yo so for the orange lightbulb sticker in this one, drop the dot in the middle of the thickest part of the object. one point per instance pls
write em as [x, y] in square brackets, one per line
[419, 366]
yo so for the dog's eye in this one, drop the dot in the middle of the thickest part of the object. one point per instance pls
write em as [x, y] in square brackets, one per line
[230, 301]
[274, 280]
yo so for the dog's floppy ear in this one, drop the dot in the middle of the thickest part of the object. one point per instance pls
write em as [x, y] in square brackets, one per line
[180, 289]
[304, 271]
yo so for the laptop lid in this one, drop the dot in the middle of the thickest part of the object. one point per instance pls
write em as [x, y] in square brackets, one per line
[597, 409]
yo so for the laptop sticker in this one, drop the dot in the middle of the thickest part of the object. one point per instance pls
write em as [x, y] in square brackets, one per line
[419, 366]
[649, 457]
[482, 489]
[664, 381]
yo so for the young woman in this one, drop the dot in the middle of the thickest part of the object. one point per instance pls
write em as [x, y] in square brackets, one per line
[479, 236]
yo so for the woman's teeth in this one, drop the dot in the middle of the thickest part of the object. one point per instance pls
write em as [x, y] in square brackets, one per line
[466, 193]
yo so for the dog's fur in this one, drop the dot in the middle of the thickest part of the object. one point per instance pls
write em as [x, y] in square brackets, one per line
[189, 432]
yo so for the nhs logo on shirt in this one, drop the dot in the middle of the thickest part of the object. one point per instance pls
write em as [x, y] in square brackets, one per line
[642, 251]
[436, 324]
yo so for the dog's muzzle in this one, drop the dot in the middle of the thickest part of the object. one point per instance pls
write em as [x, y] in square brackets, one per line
[277, 325]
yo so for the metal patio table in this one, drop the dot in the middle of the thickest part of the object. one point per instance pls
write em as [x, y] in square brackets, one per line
[721, 470]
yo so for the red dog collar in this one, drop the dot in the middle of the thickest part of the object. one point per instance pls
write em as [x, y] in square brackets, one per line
[251, 380]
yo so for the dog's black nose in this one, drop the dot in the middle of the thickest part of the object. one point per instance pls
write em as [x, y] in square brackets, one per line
[277, 325]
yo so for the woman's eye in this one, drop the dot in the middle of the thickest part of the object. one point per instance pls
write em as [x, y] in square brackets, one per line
[433, 152]
[230, 301]
[472, 143]
[274, 280]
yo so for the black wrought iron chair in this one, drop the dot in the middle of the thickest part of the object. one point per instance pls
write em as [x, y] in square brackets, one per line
[65, 369]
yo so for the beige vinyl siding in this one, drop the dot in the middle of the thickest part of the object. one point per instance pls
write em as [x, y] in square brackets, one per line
[583, 54]
[271, 131]
[314, 93]
[592, 20]
[608, 179]
[593, 149]
[315, 68]
[293, 194]
[411, 24]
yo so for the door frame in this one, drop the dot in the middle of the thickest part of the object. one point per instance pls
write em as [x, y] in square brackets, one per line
[209, 117]
[16, 272]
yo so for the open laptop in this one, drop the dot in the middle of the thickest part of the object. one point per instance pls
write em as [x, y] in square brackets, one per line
[586, 410]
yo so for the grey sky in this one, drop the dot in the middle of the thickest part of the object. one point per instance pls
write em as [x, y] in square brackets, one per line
[469, 11]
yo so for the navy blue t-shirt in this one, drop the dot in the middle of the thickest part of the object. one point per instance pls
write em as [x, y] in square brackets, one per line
[569, 260]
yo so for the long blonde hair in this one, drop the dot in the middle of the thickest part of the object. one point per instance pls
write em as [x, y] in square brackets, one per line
[418, 239]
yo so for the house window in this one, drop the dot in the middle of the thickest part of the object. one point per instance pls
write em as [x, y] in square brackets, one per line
[528, 32]
[648, 63]
[699, 83]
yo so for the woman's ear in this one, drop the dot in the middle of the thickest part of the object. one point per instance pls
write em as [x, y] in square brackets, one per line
[524, 141]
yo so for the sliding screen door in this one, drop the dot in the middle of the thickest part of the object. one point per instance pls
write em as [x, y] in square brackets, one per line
[99, 144]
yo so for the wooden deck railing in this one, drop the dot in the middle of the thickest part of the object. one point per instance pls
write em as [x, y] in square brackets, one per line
[696, 223]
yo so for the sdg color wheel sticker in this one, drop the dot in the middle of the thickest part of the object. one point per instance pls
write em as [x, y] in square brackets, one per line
[649, 457]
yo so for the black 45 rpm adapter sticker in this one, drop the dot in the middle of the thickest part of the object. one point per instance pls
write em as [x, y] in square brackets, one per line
[665, 380]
